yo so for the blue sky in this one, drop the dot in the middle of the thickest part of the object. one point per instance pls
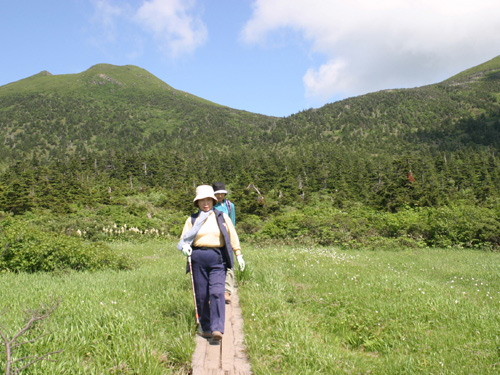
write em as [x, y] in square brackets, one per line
[275, 57]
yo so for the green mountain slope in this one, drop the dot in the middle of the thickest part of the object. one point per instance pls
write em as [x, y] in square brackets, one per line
[489, 70]
[121, 126]
[104, 108]
[113, 77]
[462, 111]
[127, 108]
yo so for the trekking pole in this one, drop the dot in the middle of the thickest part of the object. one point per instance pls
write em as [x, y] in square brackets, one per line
[194, 293]
[220, 355]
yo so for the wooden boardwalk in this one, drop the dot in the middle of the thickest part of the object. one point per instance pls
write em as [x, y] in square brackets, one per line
[227, 357]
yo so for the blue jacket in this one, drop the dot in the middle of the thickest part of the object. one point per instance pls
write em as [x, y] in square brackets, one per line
[228, 210]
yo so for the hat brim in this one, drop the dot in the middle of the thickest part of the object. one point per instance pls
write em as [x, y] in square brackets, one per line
[220, 192]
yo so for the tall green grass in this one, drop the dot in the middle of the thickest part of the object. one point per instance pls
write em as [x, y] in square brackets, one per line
[109, 322]
[326, 311]
[307, 310]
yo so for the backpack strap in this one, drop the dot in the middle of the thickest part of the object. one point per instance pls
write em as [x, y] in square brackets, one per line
[193, 217]
[228, 205]
[227, 250]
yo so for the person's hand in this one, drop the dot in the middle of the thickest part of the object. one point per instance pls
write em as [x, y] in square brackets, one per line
[241, 262]
[187, 250]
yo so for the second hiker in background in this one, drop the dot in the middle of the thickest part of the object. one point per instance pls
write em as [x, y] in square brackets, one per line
[225, 205]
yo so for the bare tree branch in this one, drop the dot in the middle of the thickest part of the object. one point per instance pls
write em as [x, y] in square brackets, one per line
[36, 360]
[32, 316]
[30, 341]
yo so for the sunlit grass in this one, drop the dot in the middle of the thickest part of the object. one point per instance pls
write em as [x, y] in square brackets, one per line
[325, 311]
[307, 310]
[138, 321]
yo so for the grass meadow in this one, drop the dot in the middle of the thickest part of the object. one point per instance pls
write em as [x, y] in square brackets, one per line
[307, 310]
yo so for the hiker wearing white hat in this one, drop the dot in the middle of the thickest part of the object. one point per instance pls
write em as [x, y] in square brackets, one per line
[209, 238]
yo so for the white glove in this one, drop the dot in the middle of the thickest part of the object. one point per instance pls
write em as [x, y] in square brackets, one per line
[187, 250]
[241, 262]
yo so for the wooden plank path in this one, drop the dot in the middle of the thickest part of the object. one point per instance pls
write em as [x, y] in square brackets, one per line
[229, 356]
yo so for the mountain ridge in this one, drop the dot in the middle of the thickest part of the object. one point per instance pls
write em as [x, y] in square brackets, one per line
[489, 66]
[109, 107]
[126, 77]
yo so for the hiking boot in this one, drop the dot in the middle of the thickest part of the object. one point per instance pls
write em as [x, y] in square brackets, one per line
[227, 298]
[206, 334]
[216, 336]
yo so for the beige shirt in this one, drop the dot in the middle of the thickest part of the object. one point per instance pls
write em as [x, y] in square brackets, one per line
[210, 235]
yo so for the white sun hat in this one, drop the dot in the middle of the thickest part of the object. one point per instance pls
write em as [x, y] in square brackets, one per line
[204, 191]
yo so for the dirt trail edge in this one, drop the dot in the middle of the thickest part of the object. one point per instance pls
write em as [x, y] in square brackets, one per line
[228, 358]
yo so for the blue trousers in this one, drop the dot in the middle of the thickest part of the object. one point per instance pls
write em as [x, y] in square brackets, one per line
[209, 275]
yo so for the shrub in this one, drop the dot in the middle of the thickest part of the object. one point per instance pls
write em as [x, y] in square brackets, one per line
[463, 225]
[460, 224]
[325, 226]
[26, 248]
[111, 223]
[248, 226]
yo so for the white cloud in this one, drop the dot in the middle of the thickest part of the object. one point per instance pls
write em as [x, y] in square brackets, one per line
[105, 16]
[369, 45]
[175, 24]
[324, 82]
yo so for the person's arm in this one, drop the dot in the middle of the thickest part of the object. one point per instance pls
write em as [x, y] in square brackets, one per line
[183, 246]
[233, 236]
[233, 214]
[235, 241]
[187, 226]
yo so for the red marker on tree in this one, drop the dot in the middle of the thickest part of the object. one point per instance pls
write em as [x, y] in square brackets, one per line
[410, 177]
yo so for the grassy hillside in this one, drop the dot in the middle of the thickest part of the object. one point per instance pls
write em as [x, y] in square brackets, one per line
[119, 77]
[490, 69]
[111, 133]
[463, 111]
[125, 108]
[104, 108]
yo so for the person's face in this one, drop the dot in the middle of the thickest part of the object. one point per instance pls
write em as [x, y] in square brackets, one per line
[205, 204]
[220, 197]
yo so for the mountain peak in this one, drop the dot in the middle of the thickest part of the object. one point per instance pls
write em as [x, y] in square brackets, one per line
[44, 73]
